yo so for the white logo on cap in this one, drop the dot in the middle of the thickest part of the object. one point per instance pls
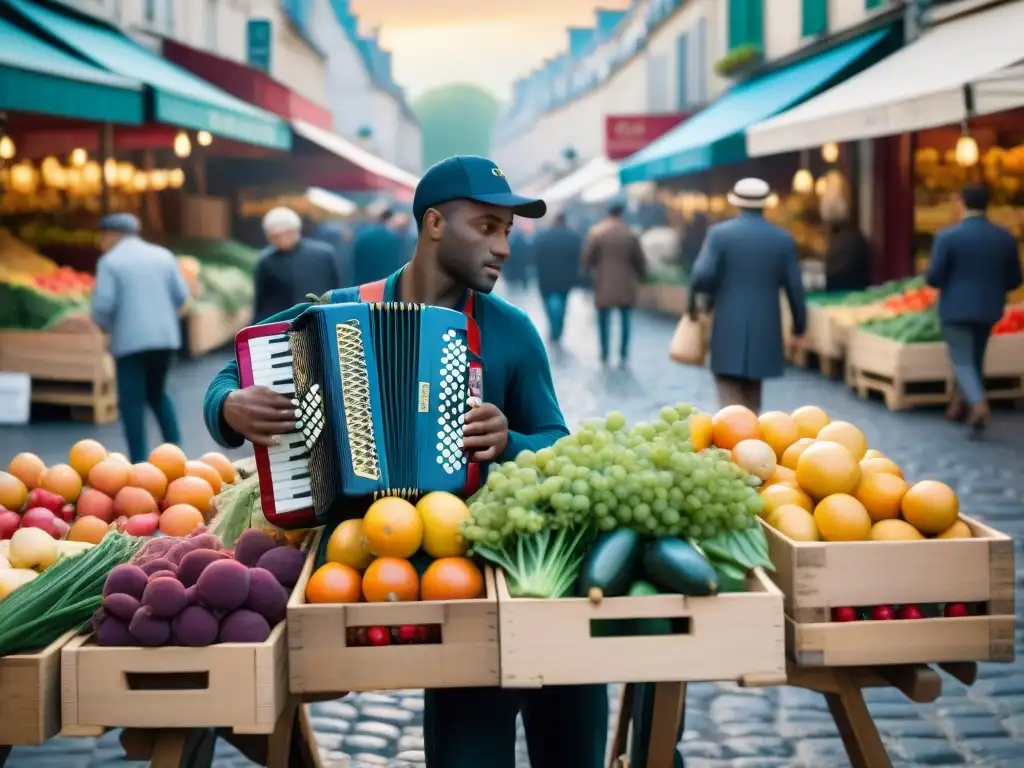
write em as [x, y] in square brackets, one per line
[497, 172]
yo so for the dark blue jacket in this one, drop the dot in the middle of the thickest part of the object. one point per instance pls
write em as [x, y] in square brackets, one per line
[378, 252]
[974, 264]
[556, 254]
[516, 268]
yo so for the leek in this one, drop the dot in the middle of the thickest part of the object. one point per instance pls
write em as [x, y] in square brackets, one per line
[544, 564]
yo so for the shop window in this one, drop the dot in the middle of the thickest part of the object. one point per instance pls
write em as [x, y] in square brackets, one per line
[814, 18]
[699, 89]
[746, 23]
[150, 11]
[682, 71]
[871, 5]
[210, 25]
[169, 16]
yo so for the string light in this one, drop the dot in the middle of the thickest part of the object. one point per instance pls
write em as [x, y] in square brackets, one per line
[182, 145]
[7, 148]
[830, 152]
[205, 138]
[78, 157]
[803, 182]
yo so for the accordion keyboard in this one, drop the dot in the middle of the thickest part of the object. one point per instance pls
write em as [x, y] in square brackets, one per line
[452, 406]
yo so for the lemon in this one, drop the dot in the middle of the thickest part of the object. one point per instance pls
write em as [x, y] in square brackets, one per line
[443, 515]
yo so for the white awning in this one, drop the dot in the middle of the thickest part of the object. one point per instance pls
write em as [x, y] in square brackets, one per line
[573, 185]
[330, 202]
[920, 86]
[354, 154]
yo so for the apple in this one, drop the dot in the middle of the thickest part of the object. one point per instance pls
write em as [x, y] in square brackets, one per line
[39, 517]
[9, 523]
[844, 614]
[40, 497]
[67, 513]
[142, 525]
[955, 610]
[882, 613]
[910, 612]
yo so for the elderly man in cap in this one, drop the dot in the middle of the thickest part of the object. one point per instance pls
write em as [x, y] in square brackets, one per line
[291, 266]
[138, 298]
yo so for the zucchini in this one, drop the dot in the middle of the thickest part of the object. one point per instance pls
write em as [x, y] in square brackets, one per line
[646, 627]
[611, 565]
[731, 578]
[675, 566]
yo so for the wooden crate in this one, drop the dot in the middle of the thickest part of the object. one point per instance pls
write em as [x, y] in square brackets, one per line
[320, 660]
[241, 686]
[210, 328]
[726, 637]
[816, 577]
[667, 298]
[72, 369]
[30, 695]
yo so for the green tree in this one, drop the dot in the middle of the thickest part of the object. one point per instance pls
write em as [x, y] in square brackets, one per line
[456, 119]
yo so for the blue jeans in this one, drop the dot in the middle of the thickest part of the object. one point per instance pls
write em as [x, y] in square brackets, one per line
[966, 343]
[554, 306]
[142, 381]
[604, 331]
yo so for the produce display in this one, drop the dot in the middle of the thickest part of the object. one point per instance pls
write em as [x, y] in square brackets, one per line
[914, 328]
[191, 591]
[1012, 321]
[226, 253]
[36, 293]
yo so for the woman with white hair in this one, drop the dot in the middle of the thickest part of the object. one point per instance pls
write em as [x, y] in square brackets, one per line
[291, 266]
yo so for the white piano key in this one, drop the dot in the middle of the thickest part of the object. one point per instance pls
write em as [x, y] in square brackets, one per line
[291, 505]
[288, 468]
[288, 489]
[268, 341]
[277, 364]
[284, 389]
[286, 450]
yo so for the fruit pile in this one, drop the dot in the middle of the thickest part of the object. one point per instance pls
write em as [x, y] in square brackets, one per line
[823, 483]
[1012, 321]
[190, 591]
[912, 300]
[907, 612]
[96, 491]
[34, 291]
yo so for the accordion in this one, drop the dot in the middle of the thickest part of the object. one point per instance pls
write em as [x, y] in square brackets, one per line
[382, 390]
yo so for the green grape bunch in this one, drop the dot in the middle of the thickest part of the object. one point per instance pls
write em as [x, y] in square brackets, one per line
[647, 477]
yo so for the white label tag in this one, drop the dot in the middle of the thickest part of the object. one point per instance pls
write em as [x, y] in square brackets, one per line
[424, 396]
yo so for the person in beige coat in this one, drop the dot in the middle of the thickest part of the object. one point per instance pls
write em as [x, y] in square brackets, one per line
[614, 260]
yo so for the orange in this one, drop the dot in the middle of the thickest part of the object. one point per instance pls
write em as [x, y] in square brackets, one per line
[795, 522]
[881, 494]
[895, 530]
[205, 471]
[392, 527]
[169, 459]
[223, 465]
[109, 476]
[879, 464]
[443, 515]
[809, 420]
[13, 492]
[180, 520]
[190, 490]
[840, 517]
[28, 468]
[62, 480]
[84, 455]
[334, 583]
[88, 528]
[826, 468]
[844, 433]
[451, 578]
[779, 430]
[755, 457]
[792, 454]
[700, 430]
[134, 501]
[775, 496]
[346, 546]
[119, 457]
[144, 475]
[390, 579]
[782, 476]
[959, 530]
[931, 507]
[874, 453]
[733, 424]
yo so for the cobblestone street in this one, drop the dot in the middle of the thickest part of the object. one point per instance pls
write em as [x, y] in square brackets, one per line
[726, 725]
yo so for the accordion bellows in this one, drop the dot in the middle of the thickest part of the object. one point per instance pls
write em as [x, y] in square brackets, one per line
[382, 392]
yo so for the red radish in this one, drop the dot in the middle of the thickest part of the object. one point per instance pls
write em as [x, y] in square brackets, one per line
[955, 611]
[142, 525]
[60, 528]
[378, 636]
[9, 523]
[67, 513]
[423, 633]
[407, 633]
[121, 524]
[882, 613]
[910, 612]
[844, 614]
[39, 517]
[40, 497]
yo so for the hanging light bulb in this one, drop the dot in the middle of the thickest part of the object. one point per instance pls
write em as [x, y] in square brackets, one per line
[821, 186]
[23, 178]
[78, 157]
[92, 173]
[7, 148]
[175, 178]
[205, 138]
[182, 145]
[830, 152]
[125, 174]
[157, 179]
[772, 201]
[966, 151]
[141, 181]
[110, 171]
[803, 182]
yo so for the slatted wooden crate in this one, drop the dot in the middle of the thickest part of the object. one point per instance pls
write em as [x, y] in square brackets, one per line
[30, 695]
[209, 328]
[816, 577]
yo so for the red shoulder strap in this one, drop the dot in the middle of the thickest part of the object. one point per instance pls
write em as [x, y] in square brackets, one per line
[374, 292]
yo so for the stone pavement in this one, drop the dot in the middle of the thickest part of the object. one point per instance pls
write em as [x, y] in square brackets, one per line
[726, 726]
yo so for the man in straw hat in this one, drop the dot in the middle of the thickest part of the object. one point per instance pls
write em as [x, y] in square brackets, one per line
[744, 263]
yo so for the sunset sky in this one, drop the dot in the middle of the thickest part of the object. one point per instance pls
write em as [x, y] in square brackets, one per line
[487, 43]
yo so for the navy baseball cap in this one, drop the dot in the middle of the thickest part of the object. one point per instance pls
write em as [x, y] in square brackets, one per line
[121, 223]
[466, 177]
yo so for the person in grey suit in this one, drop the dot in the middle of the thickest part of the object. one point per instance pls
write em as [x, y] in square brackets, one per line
[138, 297]
[974, 264]
[741, 268]
[556, 253]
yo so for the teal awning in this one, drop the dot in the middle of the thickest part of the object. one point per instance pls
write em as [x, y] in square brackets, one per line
[716, 135]
[180, 98]
[36, 77]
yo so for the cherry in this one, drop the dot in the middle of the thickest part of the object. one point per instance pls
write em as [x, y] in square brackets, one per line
[954, 610]
[882, 613]
[910, 612]
[844, 614]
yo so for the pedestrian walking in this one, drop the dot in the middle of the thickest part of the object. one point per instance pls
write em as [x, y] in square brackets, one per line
[464, 211]
[337, 235]
[292, 266]
[614, 259]
[692, 240]
[379, 249]
[744, 263]
[138, 298]
[517, 267]
[556, 253]
[848, 258]
[974, 264]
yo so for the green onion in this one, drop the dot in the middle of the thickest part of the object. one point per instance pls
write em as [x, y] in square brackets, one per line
[544, 564]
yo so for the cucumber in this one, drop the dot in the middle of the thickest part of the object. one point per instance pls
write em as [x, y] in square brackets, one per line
[611, 565]
[642, 627]
[643, 589]
[675, 566]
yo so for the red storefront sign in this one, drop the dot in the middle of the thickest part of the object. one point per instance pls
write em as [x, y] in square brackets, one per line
[625, 135]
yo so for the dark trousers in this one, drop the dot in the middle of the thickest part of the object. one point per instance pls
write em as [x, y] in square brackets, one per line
[566, 726]
[604, 331]
[142, 381]
[554, 306]
[733, 390]
[643, 714]
[967, 343]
